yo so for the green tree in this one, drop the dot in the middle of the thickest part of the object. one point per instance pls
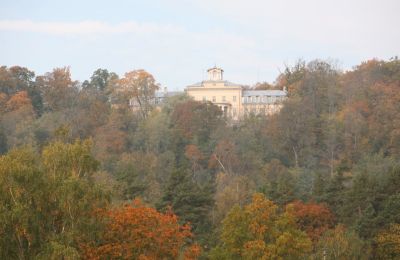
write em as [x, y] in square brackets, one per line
[47, 201]
[189, 201]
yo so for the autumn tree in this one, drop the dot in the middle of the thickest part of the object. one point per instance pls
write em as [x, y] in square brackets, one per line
[16, 79]
[341, 243]
[17, 118]
[314, 219]
[110, 138]
[388, 242]
[259, 231]
[195, 120]
[140, 87]
[58, 88]
[135, 231]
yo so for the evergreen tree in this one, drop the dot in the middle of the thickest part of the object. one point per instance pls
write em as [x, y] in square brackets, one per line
[334, 192]
[189, 201]
[3, 142]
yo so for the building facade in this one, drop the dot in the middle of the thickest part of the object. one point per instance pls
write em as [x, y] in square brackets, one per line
[233, 99]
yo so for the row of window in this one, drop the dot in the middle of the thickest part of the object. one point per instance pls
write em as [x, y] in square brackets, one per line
[261, 99]
[261, 110]
[223, 99]
[153, 101]
[251, 99]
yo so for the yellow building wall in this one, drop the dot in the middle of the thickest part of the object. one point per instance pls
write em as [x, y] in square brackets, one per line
[231, 97]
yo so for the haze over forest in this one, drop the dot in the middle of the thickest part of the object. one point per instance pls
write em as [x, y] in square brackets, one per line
[84, 174]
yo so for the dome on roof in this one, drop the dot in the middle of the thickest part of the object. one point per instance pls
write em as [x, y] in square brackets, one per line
[215, 74]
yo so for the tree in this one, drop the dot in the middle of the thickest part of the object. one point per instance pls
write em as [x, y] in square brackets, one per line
[280, 183]
[140, 87]
[110, 139]
[314, 219]
[388, 242]
[135, 231]
[17, 118]
[3, 142]
[102, 80]
[59, 90]
[340, 243]
[46, 201]
[189, 201]
[69, 160]
[225, 157]
[231, 190]
[195, 156]
[23, 193]
[136, 173]
[259, 231]
[195, 120]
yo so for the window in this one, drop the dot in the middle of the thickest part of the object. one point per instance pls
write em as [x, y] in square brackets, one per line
[234, 98]
[223, 99]
[214, 99]
[254, 100]
[234, 111]
[204, 98]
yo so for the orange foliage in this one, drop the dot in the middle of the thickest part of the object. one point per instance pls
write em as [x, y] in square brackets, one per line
[3, 101]
[20, 99]
[139, 232]
[314, 219]
[193, 153]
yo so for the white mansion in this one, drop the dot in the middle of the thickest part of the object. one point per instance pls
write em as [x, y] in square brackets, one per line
[233, 99]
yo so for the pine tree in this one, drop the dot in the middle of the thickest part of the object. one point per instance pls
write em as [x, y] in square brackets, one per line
[189, 201]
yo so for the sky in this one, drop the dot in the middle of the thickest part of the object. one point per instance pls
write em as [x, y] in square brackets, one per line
[178, 40]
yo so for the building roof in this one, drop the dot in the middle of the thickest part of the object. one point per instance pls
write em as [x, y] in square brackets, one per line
[276, 93]
[226, 83]
[198, 84]
[162, 94]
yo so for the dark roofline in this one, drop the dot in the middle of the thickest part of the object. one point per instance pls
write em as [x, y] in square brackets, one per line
[215, 68]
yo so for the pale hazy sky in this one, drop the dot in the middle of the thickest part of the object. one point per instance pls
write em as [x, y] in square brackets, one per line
[177, 40]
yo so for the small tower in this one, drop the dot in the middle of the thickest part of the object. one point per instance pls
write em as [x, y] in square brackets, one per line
[215, 74]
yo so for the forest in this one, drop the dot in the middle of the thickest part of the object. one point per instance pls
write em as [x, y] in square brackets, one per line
[83, 176]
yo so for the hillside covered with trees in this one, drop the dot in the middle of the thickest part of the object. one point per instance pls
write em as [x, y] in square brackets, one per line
[84, 176]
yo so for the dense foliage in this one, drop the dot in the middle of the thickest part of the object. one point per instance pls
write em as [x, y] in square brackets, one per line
[319, 179]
